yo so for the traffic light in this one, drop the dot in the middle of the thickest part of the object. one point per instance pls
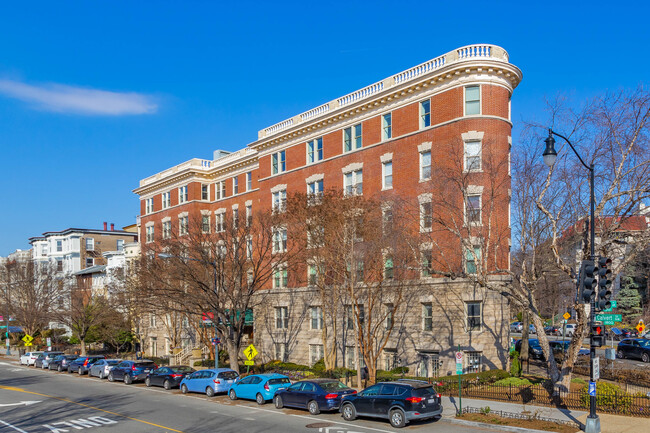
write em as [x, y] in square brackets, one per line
[604, 283]
[587, 281]
[597, 335]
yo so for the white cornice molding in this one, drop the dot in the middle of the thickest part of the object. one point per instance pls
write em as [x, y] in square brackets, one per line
[386, 157]
[472, 135]
[248, 203]
[352, 167]
[424, 147]
[315, 178]
[166, 219]
[279, 187]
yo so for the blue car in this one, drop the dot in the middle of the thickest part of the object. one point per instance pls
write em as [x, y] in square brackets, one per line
[258, 387]
[315, 395]
[210, 381]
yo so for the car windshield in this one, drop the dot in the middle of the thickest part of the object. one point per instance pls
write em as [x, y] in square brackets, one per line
[145, 365]
[534, 343]
[113, 361]
[333, 386]
[183, 369]
[279, 381]
[228, 375]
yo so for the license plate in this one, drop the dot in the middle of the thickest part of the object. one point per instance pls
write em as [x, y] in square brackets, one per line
[432, 400]
[147, 370]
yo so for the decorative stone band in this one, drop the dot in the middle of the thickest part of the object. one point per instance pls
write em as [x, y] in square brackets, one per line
[386, 157]
[472, 135]
[352, 167]
[278, 188]
[314, 178]
[424, 147]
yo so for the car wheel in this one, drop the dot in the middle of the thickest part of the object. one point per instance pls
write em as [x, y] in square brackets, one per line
[127, 379]
[101, 374]
[110, 377]
[277, 400]
[645, 357]
[232, 394]
[59, 369]
[260, 399]
[209, 391]
[397, 418]
[313, 407]
[147, 382]
[184, 389]
[167, 384]
[80, 371]
[620, 354]
[349, 412]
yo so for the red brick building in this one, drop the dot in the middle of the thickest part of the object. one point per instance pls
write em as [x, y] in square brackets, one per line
[393, 137]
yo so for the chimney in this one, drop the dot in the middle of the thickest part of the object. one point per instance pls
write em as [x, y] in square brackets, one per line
[105, 224]
[112, 227]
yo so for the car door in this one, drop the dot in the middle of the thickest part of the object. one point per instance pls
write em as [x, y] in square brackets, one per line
[157, 377]
[307, 393]
[254, 386]
[118, 372]
[635, 351]
[241, 386]
[97, 367]
[364, 404]
[290, 396]
[383, 401]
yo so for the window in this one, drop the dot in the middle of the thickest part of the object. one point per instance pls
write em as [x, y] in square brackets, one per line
[279, 200]
[281, 317]
[249, 181]
[427, 317]
[474, 318]
[278, 162]
[280, 351]
[152, 320]
[473, 362]
[353, 183]
[235, 185]
[249, 248]
[388, 323]
[43, 250]
[90, 244]
[220, 220]
[166, 229]
[473, 209]
[352, 138]
[59, 245]
[388, 268]
[59, 265]
[426, 216]
[316, 318]
[149, 234]
[205, 223]
[148, 205]
[249, 215]
[205, 192]
[183, 225]
[471, 257]
[235, 218]
[390, 362]
[166, 200]
[387, 220]
[349, 357]
[119, 244]
[315, 190]
[472, 155]
[182, 195]
[387, 175]
[312, 275]
[315, 353]
[349, 317]
[386, 126]
[425, 114]
[472, 100]
[425, 165]
[426, 263]
[90, 262]
[280, 278]
[356, 272]
[429, 364]
[220, 190]
[280, 240]
[315, 150]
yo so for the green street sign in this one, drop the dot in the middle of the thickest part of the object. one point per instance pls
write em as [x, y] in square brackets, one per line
[609, 319]
[614, 305]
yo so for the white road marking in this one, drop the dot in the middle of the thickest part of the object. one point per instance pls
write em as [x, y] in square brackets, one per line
[21, 403]
[12, 426]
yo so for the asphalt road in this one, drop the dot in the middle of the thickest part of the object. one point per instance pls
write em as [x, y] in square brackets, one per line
[34, 400]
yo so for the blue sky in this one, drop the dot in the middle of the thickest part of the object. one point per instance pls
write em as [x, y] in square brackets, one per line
[95, 96]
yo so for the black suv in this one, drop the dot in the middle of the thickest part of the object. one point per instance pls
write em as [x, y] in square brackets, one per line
[400, 401]
[131, 371]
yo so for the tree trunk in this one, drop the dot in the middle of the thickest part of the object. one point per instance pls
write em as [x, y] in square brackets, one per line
[523, 354]
[233, 354]
[83, 346]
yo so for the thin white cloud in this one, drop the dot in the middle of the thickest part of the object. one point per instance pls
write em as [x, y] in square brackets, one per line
[78, 100]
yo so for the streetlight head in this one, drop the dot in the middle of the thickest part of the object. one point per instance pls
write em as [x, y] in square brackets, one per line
[550, 155]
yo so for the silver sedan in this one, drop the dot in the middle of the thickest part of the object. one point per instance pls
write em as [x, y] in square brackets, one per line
[102, 367]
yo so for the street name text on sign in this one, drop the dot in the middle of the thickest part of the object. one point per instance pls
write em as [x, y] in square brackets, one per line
[608, 319]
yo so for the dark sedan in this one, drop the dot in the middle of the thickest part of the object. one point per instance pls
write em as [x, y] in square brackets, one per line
[400, 402]
[534, 349]
[168, 377]
[61, 362]
[314, 395]
[637, 348]
[131, 371]
[82, 364]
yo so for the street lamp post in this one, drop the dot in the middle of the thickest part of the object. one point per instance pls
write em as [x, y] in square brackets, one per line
[550, 155]
[7, 319]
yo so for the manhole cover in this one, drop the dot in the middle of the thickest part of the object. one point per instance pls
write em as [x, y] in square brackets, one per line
[319, 425]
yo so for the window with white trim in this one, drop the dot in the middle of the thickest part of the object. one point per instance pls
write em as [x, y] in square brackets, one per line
[312, 274]
[166, 229]
[235, 218]
[427, 317]
[205, 192]
[474, 317]
[220, 190]
[429, 364]
[426, 216]
[279, 162]
[280, 240]
[166, 200]
[149, 231]
[425, 165]
[279, 200]
[205, 223]
[220, 222]
[348, 317]
[59, 265]
[119, 244]
[473, 209]
[280, 351]
[316, 353]
[387, 175]
[315, 150]
[473, 155]
[472, 100]
[59, 245]
[472, 259]
[352, 138]
[390, 359]
[389, 268]
[386, 126]
[235, 185]
[473, 362]
[425, 113]
[426, 263]
[90, 244]
[315, 189]
[148, 208]
[249, 181]
[316, 318]
[280, 278]
[353, 182]
[183, 225]
[349, 358]
[182, 194]
[249, 215]
[388, 322]
[90, 262]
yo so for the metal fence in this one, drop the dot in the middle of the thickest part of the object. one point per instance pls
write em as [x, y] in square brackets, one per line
[512, 415]
[609, 398]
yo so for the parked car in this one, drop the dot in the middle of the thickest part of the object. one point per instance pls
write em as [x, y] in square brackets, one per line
[534, 349]
[562, 346]
[314, 395]
[210, 381]
[532, 329]
[29, 358]
[258, 387]
[569, 329]
[638, 348]
[516, 327]
[553, 330]
[45, 358]
[131, 371]
[61, 362]
[168, 377]
[102, 366]
[400, 402]
[82, 364]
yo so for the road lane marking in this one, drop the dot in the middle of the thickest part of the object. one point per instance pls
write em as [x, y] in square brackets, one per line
[11, 388]
[12, 426]
[21, 403]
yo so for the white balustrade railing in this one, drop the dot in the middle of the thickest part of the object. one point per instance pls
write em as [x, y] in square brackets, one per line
[461, 54]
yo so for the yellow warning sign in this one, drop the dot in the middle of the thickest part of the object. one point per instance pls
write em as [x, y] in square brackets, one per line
[250, 352]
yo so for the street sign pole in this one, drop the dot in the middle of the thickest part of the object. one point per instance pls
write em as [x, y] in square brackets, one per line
[460, 387]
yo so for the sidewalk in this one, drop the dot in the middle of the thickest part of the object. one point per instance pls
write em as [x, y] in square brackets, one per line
[608, 423]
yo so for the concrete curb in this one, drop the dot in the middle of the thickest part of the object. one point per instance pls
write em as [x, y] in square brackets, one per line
[493, 426]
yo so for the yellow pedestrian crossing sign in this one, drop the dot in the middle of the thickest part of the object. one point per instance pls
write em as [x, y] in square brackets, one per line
[566, 316]
[28, 340]
[250, 352]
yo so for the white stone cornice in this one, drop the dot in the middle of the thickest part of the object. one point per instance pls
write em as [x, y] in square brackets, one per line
[235, 206]
[220, 210]
[472, 135]
[386, 157]
[205, 212]
[315, 178]
[248, 203]
[424, 147]
[474, 189]
[166, 219]
[183, 214]
[352, 167]
[279, 187]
